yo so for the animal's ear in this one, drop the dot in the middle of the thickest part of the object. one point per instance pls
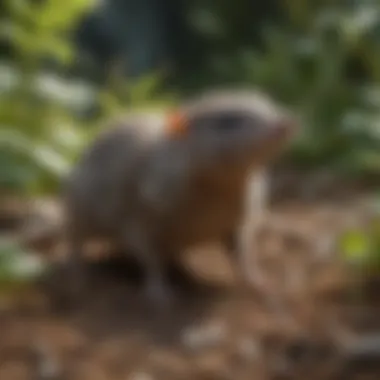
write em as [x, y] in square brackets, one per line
[176, 124]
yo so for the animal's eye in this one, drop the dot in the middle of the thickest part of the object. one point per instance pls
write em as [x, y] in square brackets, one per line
[228, 122]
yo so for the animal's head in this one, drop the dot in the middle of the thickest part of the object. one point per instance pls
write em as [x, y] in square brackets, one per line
[243, 128]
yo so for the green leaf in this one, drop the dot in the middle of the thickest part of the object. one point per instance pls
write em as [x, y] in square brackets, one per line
[51, 160]
[356, 247]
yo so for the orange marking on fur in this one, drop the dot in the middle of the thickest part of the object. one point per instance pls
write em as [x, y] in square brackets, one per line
[177, 124]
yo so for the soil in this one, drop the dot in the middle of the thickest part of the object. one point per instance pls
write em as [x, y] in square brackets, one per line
[304, 325]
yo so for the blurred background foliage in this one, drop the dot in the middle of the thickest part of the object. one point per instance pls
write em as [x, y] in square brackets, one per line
[65, 66]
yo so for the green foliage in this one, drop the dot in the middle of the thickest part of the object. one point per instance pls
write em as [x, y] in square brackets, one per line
[39, 29]
[361, 248]
[37, 136]
[34, 163]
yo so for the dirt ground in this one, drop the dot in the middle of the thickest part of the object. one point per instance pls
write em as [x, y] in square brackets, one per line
[305, 326]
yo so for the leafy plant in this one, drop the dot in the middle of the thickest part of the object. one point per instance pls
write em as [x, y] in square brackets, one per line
[39, 135]
[361, 248]
[39, 29]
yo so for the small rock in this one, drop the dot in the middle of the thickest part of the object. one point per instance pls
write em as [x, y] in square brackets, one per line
[325, 248]
[249, 349]
[361, 356]
[366, 348]
[202, 337]
[47, 367]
